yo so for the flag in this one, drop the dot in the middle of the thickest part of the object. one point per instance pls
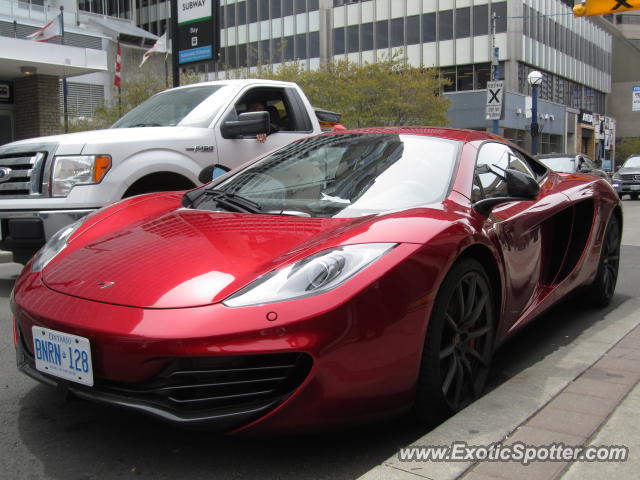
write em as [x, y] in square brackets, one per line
[160, 46]
[116, 77]
[53, 29]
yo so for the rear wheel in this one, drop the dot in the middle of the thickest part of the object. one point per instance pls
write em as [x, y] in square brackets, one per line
[601, 290]
[458, 345]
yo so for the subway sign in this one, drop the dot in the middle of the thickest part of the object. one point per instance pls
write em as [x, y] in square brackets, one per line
[198, 30]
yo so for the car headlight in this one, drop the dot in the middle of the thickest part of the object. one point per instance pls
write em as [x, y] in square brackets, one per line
[313, 275]
[72, 170]
[54, 246]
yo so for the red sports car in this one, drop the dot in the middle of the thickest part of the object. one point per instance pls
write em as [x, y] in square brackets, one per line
[340, 278]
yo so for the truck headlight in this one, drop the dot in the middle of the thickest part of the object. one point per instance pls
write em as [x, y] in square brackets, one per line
[72, 170]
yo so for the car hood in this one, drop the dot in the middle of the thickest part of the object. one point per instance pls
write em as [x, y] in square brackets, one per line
[185, 258]
[627, 171]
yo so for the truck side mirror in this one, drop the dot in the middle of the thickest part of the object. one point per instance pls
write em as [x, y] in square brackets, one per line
[249, 123]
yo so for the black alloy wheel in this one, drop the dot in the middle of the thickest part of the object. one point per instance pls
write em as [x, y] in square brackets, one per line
[458, 345]
[601, 290]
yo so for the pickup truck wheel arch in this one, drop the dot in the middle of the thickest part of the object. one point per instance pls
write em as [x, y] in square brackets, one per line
[159, 182]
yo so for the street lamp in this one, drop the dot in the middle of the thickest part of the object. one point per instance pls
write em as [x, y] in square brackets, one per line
[535, 79]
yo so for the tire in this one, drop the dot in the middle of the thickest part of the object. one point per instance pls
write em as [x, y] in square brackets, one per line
[23, 256]
[601, 290]
[458, 345]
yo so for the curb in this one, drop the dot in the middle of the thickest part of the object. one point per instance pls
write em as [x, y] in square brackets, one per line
[499, 414]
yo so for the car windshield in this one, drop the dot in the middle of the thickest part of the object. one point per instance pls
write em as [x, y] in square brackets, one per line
[560, 164]
[345, 176]
[166, 108]
[633, 162]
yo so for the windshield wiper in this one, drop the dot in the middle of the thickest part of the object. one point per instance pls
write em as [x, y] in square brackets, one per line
[229, 200]
[145, 125]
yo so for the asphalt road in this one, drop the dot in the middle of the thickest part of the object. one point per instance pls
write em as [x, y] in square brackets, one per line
[43, 436]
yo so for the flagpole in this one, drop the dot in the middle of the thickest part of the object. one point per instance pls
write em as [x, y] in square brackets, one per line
[65, 111]
[119, 79]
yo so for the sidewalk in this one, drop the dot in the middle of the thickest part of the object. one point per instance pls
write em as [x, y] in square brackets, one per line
[587, 395]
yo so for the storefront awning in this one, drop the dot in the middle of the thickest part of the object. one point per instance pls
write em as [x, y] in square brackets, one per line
[117, 27]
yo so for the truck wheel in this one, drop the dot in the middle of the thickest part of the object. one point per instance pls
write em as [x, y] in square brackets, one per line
[159, 182]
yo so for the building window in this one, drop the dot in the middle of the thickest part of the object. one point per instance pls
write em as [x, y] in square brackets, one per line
[352, 38]
[397, 32]
[463, 22]
[482, 74]
[429, 27]
[464, 80]
[445, 25]
[276, 8]
[481, 19]
[449, 74]
[500, 10]
[366, 36]
[413, 30]
[382, 34]
[338, 41]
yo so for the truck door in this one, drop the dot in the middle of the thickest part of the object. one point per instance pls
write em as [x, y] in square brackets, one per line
[289, 121]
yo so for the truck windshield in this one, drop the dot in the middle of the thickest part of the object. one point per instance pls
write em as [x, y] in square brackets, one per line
[166, 108]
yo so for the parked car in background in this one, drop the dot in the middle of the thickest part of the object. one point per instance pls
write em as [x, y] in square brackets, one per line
[572, 163]
[626, 180]
[340, 278]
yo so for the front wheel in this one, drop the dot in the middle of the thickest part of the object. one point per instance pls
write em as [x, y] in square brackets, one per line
[601, 290]
[459, 344]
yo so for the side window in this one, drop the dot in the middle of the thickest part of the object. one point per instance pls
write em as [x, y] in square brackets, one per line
[494, 157]
[274, 101]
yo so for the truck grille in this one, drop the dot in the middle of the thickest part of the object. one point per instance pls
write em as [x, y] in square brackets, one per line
[631, 177]
[21, 174]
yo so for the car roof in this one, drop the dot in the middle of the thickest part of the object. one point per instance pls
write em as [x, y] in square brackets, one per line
[241, 83]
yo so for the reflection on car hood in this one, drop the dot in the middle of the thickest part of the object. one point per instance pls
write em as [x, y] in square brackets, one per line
[186, 257]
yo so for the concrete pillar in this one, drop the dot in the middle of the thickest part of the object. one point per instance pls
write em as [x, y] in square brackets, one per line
[37, 107]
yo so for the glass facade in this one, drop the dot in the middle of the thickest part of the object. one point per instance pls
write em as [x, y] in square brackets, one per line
[262, 32]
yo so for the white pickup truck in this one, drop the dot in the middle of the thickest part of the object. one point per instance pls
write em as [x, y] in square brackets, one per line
[169, 142]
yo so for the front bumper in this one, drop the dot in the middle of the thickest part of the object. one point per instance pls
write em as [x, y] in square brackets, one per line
[28, 230]
[362, 355]
[626, 187]
[222, 398]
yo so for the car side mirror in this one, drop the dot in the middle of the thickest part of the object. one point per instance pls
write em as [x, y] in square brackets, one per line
[212, 172]
[520, 186]
[249, 123]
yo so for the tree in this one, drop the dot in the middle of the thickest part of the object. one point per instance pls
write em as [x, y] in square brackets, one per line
[628, 146]
[388, 92]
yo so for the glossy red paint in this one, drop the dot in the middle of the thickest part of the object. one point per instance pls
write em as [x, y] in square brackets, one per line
[173, 266]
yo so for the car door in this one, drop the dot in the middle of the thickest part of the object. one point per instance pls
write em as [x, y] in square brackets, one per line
[523, 231]
[288, 116]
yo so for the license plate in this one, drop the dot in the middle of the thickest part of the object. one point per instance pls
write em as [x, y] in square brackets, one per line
[635, 187]
[63, 355]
